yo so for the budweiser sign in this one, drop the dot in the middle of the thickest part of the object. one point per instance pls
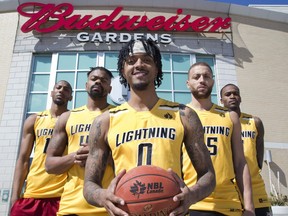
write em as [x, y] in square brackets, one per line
[46, 18]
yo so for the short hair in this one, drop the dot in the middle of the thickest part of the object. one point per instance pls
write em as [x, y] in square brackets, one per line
[201, 64]
[68, 84]
[229, 84]
[108, 72]
[151, 49]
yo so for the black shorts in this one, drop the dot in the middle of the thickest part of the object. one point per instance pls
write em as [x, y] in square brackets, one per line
[266, 211]
[204, 213]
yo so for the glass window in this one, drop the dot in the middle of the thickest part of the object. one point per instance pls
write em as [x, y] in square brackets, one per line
[165, 95]
[42, 63]
[115, 73]
[175, 68]
[40, 82]
[68, 76]
[39, 88]
[81, 80]
[208, 59]
[110, 61]
[166, 82]
[166, 62]
[73, 67]
[37, 102]
[76, 77]
[87, 60]
[66, 61]
[80, 98]
[183, 97]
[180, 62]
[180, 81]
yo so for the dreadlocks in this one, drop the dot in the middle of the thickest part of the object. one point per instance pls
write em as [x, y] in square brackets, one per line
[151, 49]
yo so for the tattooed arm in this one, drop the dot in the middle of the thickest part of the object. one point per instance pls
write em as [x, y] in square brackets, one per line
[200, 158]
[95, 166]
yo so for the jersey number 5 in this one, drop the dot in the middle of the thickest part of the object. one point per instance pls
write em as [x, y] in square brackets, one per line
[212, 145]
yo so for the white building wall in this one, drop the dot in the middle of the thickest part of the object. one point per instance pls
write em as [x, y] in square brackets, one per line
[8, 26]
[11, 122]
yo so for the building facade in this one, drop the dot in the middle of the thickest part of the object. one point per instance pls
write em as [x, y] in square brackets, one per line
[244, 45]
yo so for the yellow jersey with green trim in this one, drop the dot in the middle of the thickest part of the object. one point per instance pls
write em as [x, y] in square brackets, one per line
[72, 201]
[249, 136]
[218, 128]
[40, 184]
[151, 137]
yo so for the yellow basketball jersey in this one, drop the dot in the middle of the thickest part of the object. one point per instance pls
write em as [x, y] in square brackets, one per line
[146, 138]
[218, 129]
[249, 136]
[72, 200]
[40, 184]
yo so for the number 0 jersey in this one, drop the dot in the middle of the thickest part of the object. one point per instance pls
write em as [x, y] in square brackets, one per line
[151, 137]
[40, 184]
[72, 201]
[249, 136]
[218, 128]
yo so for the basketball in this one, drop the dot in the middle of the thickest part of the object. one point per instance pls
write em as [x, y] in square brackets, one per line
[148, 190]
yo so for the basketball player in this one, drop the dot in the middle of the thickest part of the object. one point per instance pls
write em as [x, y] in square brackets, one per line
[43, 191]
[146, 130]
[68, 148]
[222, 131]
[253, 143]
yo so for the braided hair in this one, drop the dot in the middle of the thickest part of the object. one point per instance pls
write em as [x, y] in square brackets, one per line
[151, 49]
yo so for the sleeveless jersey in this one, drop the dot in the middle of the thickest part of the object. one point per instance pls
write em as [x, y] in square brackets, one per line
[218, 128]
[249, 136]
[151, 137]
[72, 201]
[39, 183]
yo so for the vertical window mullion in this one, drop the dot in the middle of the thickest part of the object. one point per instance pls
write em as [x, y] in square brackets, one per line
[100, 59]
[192, 60]
[75, 80]
[172, 78]
[52, 78]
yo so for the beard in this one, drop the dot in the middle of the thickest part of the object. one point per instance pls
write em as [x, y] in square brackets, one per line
[140, 86]
[96, 94]
[202, 95]
[59, 102]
